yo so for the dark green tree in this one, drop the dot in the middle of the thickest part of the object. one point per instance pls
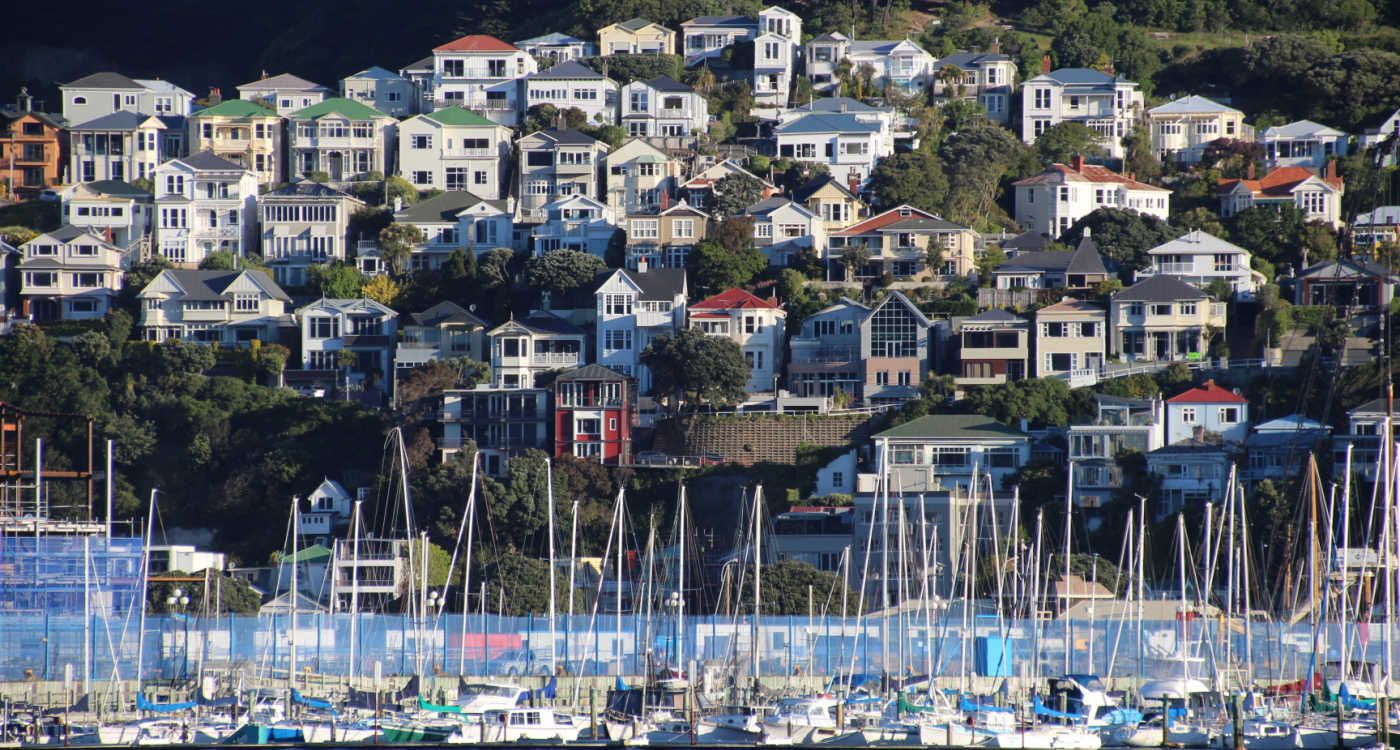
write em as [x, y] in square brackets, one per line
[1123, 235]
[1066, 140]
[736, 192]
[694, 369]
[562, 271]
[713, 268]
[914, 178]
[789, 586]
[336, 280]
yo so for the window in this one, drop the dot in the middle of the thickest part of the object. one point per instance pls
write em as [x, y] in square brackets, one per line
[618, 304]
[617, 339]
[79, 100]
[324, 327]
[645, 229]
[883, 378]
[1164, 310]
[1188, 308]
[422, 177]
[1228, 415]
[1224, 263]
[245, 302]
[755, 360]
[1188, 415]
[421, 141]
[456, 178]
[1064, 194]
[174, 184]
[683, 229]
[87, 280]
[480, 177]
[1042, 98]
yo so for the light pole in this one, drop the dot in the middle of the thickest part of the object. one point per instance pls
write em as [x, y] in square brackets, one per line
[435, 603]
[178, 599]
[673, 603]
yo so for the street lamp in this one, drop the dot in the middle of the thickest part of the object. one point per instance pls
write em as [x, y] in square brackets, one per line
[674, 603]
[178, 599]
[435, 603]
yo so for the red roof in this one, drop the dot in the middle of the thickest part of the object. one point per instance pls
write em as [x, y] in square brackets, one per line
[1207, 393]
[733, 299]
[476, 43]
[875, 223]
[1279, 182]
[1057, 173]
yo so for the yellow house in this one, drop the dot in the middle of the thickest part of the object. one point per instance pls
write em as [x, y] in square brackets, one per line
[898, 241]
[243, 132]
[636, 37]
[832, 201]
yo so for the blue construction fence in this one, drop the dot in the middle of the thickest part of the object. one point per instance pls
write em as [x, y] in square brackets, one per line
[51, 646]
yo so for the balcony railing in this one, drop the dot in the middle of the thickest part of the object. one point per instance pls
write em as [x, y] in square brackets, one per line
[487, 104]
[556, 358]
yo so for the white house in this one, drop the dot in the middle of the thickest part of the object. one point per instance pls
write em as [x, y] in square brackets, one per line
[342, 138]
[783, 228]
[663, 107]
[892, 62]
[554, 48]
[1317, 194]
[633, 309]
[455, 149]
[225, 307]
[99, 94]
[575, 223]
[1207, 409]
[1182, 128]
[456, 221]
[524, 348]
[1303, 144]
[303, 224]
[955, 449]
[887, 118]
[557, 164]
[384, 90]
[330, 509]
[705, 37]
[69, 274]
[847, 145]
[988, 78]
[639, 177]
[1109, 105]
[755, 324]
[481, 73]
[122, 146]
[1388, 127]
[284, 93]
[119, 211]
[573, 85]
[1199, 258]
[205, 204]
[333, 331]
[777, 42]
[1050, 202]
[1163, 319]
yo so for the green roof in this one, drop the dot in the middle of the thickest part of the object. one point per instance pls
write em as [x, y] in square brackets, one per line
[952, 426]
[340, 106]
[458, 116]
[235, 108]
[314, 553]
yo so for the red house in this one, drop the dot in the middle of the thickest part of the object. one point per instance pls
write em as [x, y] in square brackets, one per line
[594, 408]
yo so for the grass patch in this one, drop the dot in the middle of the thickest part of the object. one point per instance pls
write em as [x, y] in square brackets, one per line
[40, 216]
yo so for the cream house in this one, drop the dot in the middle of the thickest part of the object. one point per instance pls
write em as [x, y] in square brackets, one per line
[384, 90]
[636, 36]
[342, 138]
[994, 348]
[1182, 128]
[556, 164]
[69, 274]
[837, 205]
[455, 149]
[898, 241]
[1069, 335]
[225, 307]
[243, 132]
[1317, 194]
[304, 224]
[1163, 319]
[639, 177]
[988, 78]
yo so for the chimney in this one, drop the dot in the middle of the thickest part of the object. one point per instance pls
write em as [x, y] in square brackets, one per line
[642, 264]
[1077, 162]
[1330, 171]
[215, 96]
[853, 183]
[1045, 64]
[26, 102]
[1249, 171]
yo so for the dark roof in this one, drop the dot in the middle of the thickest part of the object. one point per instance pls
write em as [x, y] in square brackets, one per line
[52, 120]
[1346, 268]
[309, 189]
[117, 187]
[656, 283]
[1160, 289]
[591, 372]
[1026, 242]
[568, 135]
[636, 24]
[119, 120]
[1086, 258]
[443, 207]
[105, 80]
[970, 426]
[742, 21]
[210, 285]
[446, 311]
[547, 322]
[1042, 261]
[995, 316]
[667, 83]
[1190, 446]
[207, 160]
[804, 192]
[970, 60]
[69, 232]
[570, 70]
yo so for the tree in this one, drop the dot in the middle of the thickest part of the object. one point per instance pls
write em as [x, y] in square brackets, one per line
[914, 178]
[714, 268]
[396, 243]
[562, 271]
[398, 187]
[1066, 140]
[789, 586]
[694, 368]
[521, 584]
[736, 192]
[336, 280]
[382, 289]
[225, 594]
[978, 159]
[16, 235]
[219, 260]
[1044, 402]
[1123, 235]
[855, 258]
[1274, 233]
[494, 268]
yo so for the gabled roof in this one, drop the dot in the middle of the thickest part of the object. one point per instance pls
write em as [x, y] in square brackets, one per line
[1024, 242]
[1197, 242]
[1278, 183]
[952, 426]
[995, 316]
[667, 83]
[826, 123]
[114, 187]
[567, 136]
[309, 189]
[1081, 77]
[735, 299]
[374, 72]
[1085, 258]
[210, 285]
[284, 82]
[1192, 105]
[741, 22]
[459, 116]
[810, 187]
[1291, 423]
[655, 283]
[1043, 261]
[875, 223]
[104, 80]
[552, 37]
[314, 553]
[1070, 305]
[920, 224]
[1374, 406]
[591, 372]
[235, 108]
[442, 207]
[1347, 268]
[769, 205]
[571, 70]
[348, 305]
[899, 299]
[339, 105]
[446, 311]
[881, 47]
[1160, 289]
[1207, 393]
[970, 60]
[833, 36]
[540, 321]
[207, 161]
[161, 87]
[424, 64]
[476, 43]
[1300, 129]
[119, 120]
[1057, 174]
[637, 24]
[68, 233]
[837, 105]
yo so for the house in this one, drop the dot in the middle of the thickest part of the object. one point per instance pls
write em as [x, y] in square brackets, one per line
[1303, 144]
[1367, 425]
[699, 190]
[664, 239]
[1080, 269]
[837, 205]
[456, 221]
[1182, 128]
[575, 223]
[1378, 226]
[441, 332]
[341, 138]
[69, 274]
[1020, 244]
[633, 308]
[382, 89]
[501, 422]
[665, 109]
[1192, 473]
[573, 85]
[1109, 105]
[846, 144]
[225, 307]
[899, 63]
[705, 37]
[824, 356]
[304, 223]
[101, 94]
[889, 121]
[206, 204]
[554, 48]
[455, 150]
[755, 324]
[1162, 318]
[899, 242]
[777, 43]
[1207, 411]
[481, 73]
[557, 164]
[783, 229]
[122, 146]
[420, 73]
[988, 78]
[594, 412]
[523, 349]
[243, 132]
[350, 341]
[955, 450]
[119, 212]
[1069, 335]
[1346, 283]
[1200, 259]
[639, 177]
[329, 510]
[1121, 427]
[283, 93]
[819, 536]
[1278, 449]
[1052, 201]
[636, 36]
[33, 151]
[1317, 194]
[823, 55]
[1372, 136]
[994, 347]
[894, 344]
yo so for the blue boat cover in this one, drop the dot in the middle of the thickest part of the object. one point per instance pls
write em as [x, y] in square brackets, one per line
[317, 703]
[143, 704]
[1043, 710]
[968, 707]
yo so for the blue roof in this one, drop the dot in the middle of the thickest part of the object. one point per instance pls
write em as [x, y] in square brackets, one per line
[1081, 76]
[828, 123]
[377, 73]
[553, 37]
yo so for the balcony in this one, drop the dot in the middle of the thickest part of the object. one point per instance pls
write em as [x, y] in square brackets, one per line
[494, 105]
[653, 318]
[217, 233]
[468, 153]
[556, 359]
[1172, 269]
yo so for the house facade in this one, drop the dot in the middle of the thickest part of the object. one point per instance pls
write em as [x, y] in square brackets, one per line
[994, 347]
[231, 308]
[636, 36]
[755, 324]
[243, 132]
[837, 205]
[119, 212]
[1317, 194]
[304, 224]
[639, 177]
[523, 349]
[353, 339]
[1199, 258]
[594, 411]
[557, 164]
[1109, 105]
[824, 356]
[705, 37]
[382, 89]
[664, 239]
[783, 229]
[33, 151]
[1121, 427]
[501, 422]
[455, 150]
[958, 450]
[894, 344]
[1367, 286]
[663, 108]
[344, 139]
[633, 308]
[1052, 201]
[206, 204]
[284, 93]
[444, 331]
[69, 274]
[1162, 318]
[1182, 128]
[456, 221]
[1192, 473]
[100, 94]
[988, 78]
[846, 144]
[1078, 270]
[575, 223]
[1070, 335]
[1303, 144]
[121, 146]
[573, 85]
[899, 241]
[777, 46]
[554, 48]
[481, 73]
[1207, 412]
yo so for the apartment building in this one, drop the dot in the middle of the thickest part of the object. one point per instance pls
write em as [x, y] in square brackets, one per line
[481, 73]
[304, 224]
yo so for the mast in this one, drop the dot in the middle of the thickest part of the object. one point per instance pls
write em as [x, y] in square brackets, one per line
[573, 557]
[292, 651]
[757, 577]
[680, 586]
[1185, 619]
[145, 582]
[549, 485]
[617, 593]
[354, 586]
[1344, 558]
[470, 523]
[1069, 511]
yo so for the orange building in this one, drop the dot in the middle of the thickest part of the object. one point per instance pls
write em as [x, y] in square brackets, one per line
[32, 146]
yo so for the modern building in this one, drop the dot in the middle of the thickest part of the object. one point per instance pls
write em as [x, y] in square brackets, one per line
[481, 73]
[1051, 202]
[231, 308]
[69, 274]
[1122, 428]
[283, 93]
[1182, 128]
[1207, 412]
[594, 412]
[1163, 319]
[455, 150]
[633, 309]
[501, 422]
[894, 344]
[755, 324]
[341, 138]
[206, 204]
[243, 132]
[1200, 258]
[381, 89]
[1070, 335]
[1192, 473]
[1109, 105]
[1278, 449]
[304, 224]
[994, 347]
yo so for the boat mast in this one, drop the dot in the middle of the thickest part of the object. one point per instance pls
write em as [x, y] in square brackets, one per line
[469, 521]
[1069, 510]
[757, 577]
[573, 557]
[354, 586]
[145, 582]
[549, 486]
[680, 585]
[292, 649]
